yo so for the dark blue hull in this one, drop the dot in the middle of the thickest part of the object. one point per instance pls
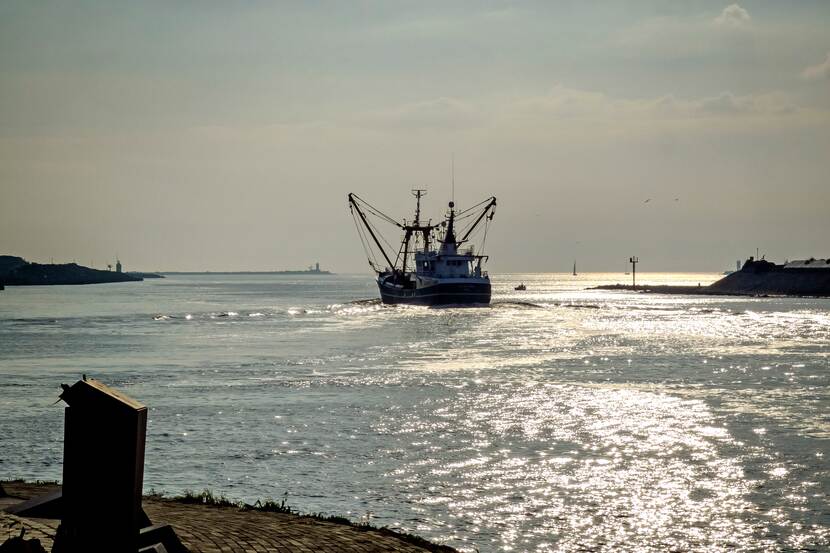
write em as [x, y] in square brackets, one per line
[461, 293]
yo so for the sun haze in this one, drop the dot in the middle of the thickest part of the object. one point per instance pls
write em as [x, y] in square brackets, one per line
[184, 136]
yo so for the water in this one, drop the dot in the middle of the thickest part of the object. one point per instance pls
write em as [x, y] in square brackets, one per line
[558, 419]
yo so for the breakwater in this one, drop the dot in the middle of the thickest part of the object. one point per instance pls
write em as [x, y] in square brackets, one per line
[16, 271]
[756, 278]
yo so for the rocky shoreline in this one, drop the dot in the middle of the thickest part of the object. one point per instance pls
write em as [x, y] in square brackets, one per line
[756, 278]
[671, 289]
[16, 271]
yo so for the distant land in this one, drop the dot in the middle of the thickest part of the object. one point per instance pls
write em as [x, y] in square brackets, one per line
[312, 270]
[807, 277]
[16, 271]
[139, 274]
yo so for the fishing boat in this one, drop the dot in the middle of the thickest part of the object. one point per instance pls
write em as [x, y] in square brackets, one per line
[432, 266]
[521, 287]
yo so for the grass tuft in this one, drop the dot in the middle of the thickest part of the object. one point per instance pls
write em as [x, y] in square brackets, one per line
[269, 506]
[207, 497]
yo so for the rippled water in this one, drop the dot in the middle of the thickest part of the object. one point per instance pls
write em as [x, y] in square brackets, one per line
[558, 419]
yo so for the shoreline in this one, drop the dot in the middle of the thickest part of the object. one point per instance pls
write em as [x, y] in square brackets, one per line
[673, 289]
[264, 526]
[288, 273]
[670, 289]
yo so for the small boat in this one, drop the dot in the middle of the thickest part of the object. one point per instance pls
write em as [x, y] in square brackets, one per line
[521, 287]
[429, 268]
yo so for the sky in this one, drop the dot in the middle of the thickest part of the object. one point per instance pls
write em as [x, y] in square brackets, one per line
[226, 136]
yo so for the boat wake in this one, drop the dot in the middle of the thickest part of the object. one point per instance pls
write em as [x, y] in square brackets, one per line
[366, 302]
[515, 304]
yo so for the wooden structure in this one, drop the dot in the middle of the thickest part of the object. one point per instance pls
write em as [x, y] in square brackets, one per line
[103, 469]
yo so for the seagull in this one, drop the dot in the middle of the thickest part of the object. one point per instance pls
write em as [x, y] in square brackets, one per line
[648, 200]
[677, 199]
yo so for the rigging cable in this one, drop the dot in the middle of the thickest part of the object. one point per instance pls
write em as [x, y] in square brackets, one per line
[484, 240]
[367, 249]
[375, 211]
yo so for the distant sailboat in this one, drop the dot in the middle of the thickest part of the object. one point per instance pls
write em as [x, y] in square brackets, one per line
[574, 268]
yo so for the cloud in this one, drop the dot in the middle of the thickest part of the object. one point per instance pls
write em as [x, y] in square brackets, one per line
[693, 36]
[733, 16]
[817, 72]
[564, 103]
[727, 103]
[439, 113]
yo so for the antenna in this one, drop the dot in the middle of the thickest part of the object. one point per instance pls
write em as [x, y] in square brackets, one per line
[452, 172]
[418, 193]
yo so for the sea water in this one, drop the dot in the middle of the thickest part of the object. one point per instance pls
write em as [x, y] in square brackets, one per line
[556, 419]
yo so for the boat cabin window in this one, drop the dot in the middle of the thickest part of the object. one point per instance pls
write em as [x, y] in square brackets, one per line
[457, 263]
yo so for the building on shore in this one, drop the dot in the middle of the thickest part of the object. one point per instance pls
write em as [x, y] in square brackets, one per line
[811, 263]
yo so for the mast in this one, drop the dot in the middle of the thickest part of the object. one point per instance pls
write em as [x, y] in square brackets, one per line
[448, 245]
[490, 204]
[353, 203]
[418, 193]
[415, 226]
[406, 237]
[449, 237]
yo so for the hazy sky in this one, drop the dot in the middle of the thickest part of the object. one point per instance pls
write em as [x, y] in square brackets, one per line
[225, 135]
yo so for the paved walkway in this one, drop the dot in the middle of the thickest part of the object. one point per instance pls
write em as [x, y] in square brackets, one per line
[208, 529]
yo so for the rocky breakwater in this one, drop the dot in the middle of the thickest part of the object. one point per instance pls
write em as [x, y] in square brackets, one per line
[16, 271]
[809, 277]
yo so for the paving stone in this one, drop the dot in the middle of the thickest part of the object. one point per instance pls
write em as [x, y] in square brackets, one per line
[209, 529]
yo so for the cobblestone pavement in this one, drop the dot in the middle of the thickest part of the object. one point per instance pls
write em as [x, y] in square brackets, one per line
[208, 529]
[11, 525]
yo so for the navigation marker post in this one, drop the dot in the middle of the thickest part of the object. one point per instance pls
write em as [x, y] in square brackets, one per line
[634, 260]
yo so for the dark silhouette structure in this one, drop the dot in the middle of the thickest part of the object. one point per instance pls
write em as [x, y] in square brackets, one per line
[808, 277]
[99, 504]
[16, 271]
[103, 469]
[634, 260]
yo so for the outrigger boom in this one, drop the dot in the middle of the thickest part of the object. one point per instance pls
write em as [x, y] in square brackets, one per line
[441, 276]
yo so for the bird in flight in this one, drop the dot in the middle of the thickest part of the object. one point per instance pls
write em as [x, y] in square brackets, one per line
[648, 200]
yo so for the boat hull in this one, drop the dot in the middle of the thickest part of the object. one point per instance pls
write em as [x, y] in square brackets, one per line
[447, 293]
